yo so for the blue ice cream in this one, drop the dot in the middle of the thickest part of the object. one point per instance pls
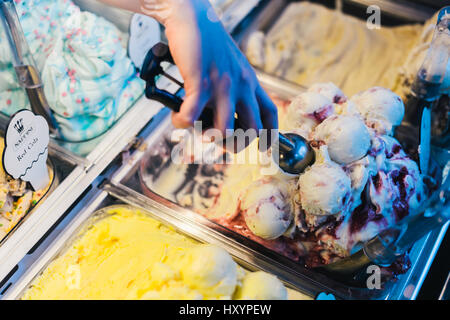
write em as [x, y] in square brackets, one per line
[88, 78]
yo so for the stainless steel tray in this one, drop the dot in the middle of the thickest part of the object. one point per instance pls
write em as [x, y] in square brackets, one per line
[53, 184]
[266, 14]
[62, 166]
[80, 172]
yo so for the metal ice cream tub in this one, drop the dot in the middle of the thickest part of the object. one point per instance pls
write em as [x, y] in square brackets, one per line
[307, 42]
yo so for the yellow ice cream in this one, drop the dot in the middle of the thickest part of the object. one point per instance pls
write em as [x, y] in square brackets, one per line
[16, 198]
[129, 255]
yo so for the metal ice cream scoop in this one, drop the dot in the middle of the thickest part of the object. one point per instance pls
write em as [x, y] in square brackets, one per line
[295, 154]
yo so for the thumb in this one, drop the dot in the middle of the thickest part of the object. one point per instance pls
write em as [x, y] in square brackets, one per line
[190, 111]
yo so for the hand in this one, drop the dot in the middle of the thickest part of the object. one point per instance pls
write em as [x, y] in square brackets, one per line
[216, 74]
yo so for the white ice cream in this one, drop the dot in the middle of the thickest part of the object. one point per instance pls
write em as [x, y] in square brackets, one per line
[310, 43]
[347, 138]
[88, 79]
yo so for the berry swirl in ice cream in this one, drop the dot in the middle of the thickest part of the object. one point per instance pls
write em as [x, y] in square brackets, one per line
[125, 254]
[324, 188]
[346, 137]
